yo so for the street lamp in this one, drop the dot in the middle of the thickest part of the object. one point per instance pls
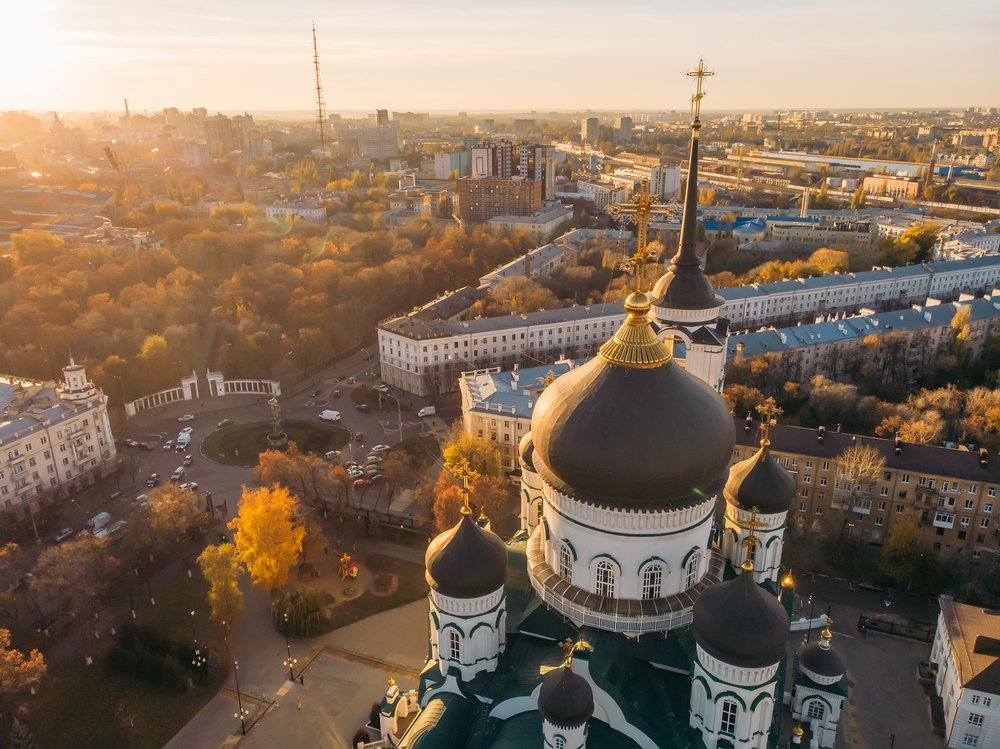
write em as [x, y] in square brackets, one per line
[194, 635]
[242, 714]
[289, 661]
[80, 509]
[812, 608]
[199, 660]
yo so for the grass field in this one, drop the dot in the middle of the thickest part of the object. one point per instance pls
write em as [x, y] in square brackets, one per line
[371, 399]
[250, 440]
[86, 707]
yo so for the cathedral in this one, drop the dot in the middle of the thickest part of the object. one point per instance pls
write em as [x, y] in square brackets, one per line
[627, 612]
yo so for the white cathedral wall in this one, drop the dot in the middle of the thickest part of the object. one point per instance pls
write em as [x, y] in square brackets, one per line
[770, 537]
[629, 540]
[531, 498]
[825, 730]
[752, 691]
[481, 627]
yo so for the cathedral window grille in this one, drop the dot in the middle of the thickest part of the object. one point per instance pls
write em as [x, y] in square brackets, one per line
[816, 710]
[728, 718]
[752, 553]
[565, 563]
[560, 742]
[454, 646]
[652, 577]
[605, 580]
[691, 571]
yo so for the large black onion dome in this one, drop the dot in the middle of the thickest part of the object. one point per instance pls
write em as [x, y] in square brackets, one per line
[684, 288]
[566, 699]
[760, 482]
[527, 452]
[741, 624]
[466, 561]
[632, 433]
[820, 658]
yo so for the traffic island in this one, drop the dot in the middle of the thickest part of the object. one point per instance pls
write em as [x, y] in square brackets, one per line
[242, 444]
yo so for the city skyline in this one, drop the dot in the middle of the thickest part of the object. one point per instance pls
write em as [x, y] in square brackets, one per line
[450, 57]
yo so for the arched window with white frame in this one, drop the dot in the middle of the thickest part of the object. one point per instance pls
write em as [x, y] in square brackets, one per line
[604, 581]
[691, 570]
[565, 562]
[816, 710]
[652, 581]
[729, 713]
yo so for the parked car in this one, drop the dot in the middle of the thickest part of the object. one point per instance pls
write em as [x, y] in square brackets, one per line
[100, 520]
[336, 393]
[329, 415]
[177, 475]
[225, 423]
[379, 449]
[63, 535]
[352, 380]
[373, 459]
[315, 393]
[101, 533]
[355, 472]
[186, 417]
[373, 469]
[142, 501]
[190, 486]
[131, 443]
[188, 460]
[384, 389]
[376, 477]
[187, 430]
[168, 444]
[154, 479]
[363, 407]
[358, 436]
[114, 529]
[361, 483]
[426, 411]
[332, 455]
[146, 445]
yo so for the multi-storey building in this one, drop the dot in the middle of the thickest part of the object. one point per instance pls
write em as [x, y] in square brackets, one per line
[893, 187]
[951, 493]
[589, 130]
[843, 235]
[507, 179]
[965, 652]
[54, 438]
[542, 225]
[537, 263]
[312, 212]
[378, 142]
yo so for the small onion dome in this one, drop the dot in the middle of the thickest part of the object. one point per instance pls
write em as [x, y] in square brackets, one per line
[566, 699]
[631, 425]
[741, 624]
[820, 659]
[527, 450]
[760, 482]
[684, 286]
[466, 561]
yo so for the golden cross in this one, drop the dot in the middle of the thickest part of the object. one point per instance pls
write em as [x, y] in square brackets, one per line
[569, 647]
[769, 413]
[465, 472]
[639, 209]
[751, 539]
[549, 378]
[696, 98]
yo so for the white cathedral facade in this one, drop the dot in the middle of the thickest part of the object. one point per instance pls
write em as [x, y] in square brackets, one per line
[622, 615]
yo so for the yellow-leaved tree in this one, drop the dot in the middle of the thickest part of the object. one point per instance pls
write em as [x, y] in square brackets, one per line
[267, 534]
[221, 567]
[18, 673]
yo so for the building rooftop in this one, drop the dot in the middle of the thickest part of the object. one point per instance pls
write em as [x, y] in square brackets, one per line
[975, 640]
[513, 393]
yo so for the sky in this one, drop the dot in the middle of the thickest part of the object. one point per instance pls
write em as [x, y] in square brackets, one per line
[516, 56]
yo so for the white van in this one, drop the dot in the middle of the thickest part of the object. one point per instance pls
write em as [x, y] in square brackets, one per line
[330, 415]
[426, 411]
[183, 441]
[101, 520]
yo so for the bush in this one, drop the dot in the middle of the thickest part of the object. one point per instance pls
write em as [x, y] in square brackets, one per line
[214, 664]
[21, 738]
[143, 653]
[140, 637]
[374, 713]
[306, 616]
[172, 675]
[360, 736]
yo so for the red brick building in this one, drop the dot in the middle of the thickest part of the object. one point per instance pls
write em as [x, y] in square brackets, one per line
[483, 198]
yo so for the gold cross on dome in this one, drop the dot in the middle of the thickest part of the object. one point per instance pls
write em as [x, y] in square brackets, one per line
[751, 539]
[769, 413]
[701, 74]
[639, 209]
[464, 471]
[569, 647]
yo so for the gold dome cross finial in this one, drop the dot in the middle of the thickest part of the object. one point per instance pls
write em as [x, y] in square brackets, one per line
[464, 472]
[769, 413]
[701, 74]
[639, 209]
[569, 647]
[751, 540]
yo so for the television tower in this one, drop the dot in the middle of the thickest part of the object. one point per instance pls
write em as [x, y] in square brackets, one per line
[320, 104]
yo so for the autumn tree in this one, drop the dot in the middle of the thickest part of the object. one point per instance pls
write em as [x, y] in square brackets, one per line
[75, 573]
[902, 549]
[172, 513]
[18, 673]
[483, 456]
[267, 534]
[858, 468]
[492, 497]
[221, 567]
[830, 261]
[448, 503]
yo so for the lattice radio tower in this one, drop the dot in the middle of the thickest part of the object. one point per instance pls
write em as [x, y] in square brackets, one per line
[320, 104]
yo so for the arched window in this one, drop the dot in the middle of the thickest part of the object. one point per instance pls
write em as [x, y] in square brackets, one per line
[728, 724]
[565, 563]
[454, 646]
[560, 742]
[816, 710]
[538, 512]
[652, 579]
[691, 570]
[752, 554]
[605, 583]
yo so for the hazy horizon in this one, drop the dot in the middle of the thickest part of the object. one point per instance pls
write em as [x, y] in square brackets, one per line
[450, 56]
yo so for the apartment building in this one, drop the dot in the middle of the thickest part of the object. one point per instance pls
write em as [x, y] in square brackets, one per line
[497, 406]
[893, 187]
[827, 348]
[965, 651]
[951, 493]
[546, 221]
[306, 210]
[842, 235]
[54, 438]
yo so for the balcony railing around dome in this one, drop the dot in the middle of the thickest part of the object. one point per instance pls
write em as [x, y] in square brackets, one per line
[628, 615]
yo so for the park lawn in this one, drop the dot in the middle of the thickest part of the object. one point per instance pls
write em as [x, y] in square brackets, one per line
[421, 451]
[250, 440]
[371, 398]
[87, 707]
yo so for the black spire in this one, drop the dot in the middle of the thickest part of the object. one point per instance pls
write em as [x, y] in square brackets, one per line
[687, 255]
